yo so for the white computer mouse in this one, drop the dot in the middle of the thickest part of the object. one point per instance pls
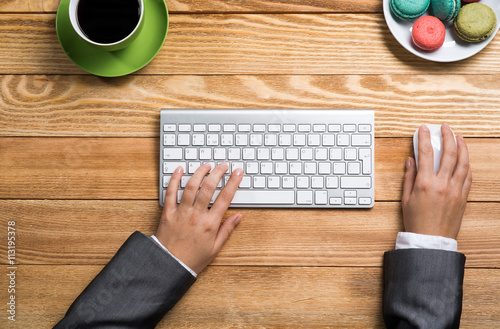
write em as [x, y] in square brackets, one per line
[437, 144]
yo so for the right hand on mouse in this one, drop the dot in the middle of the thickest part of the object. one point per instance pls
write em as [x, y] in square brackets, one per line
[190, 230]
[434, 204]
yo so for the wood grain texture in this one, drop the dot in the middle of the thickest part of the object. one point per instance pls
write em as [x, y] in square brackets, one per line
[47, 105]
[246, 44]
[220, 6]
[80, 232]
[255, 297]
[127, 168]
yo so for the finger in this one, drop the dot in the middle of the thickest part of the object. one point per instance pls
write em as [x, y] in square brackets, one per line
[210, 184]
[449, 157]
[225, 230]
[227, 194]
[193, 185]
[409, 180]
[170, 201]
[467, 185]
[425, 153]
[463, 166]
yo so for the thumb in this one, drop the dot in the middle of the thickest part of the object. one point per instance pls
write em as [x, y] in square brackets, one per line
[225, 230]
[409, 180]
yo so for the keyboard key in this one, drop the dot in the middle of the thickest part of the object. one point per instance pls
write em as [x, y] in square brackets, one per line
[245, 182]
[304, 128]
[219, 153]
[349, 128]
[324, 168]
[292, 154]
[304, 197]
[227, 139]
[336, 201]
[199, 127]
[295, 168]
[310, 168]
[342, 140]
[366, 159]
[321, 154]
[274, 128]
[266, 167]
[236, 165]
[241, 139]
[336, 154]
[350, 154]
[289, 182]
[321, 197]
[234, 153]
[169, 140]
[259, 182]
[361, 140]
[364, 128]
[229, 127]
[332, 182]
[205, 153]
[277, 154]
[319, 127]
[184, 180]
[166, 181]
[329, 140]
[169, 167]
[214, 128]
[339, 168]
[184, 127]
[281, 168]
[299, 140]
[365, 201]
[263, 197]
[353, 168]
[334, 128]
[270, 139]
[192, 166]
[285, 139]
[252, 168]
[248, 154]
[263, 154]
[317, 182]
[358, 182]
[244, 128]
[350, 201]
[183, 139]
[172, 154]
[273, 182]
[303, 182]
[198, 139]
[169, 127]
[306, 154]
[289, 128]
[256, 139]
[212, 139]
[259, 128]
[349, 194]
[314, 140]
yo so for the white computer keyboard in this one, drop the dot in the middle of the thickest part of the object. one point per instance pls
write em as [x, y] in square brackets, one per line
[291, 158]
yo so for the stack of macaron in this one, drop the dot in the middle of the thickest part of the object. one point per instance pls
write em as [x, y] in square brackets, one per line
[473, 22]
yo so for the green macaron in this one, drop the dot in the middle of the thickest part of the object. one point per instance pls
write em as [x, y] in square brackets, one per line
[445, 10]
[409, 9]
[475, 22]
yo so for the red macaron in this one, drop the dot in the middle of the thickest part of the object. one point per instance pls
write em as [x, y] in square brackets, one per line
[428, 33]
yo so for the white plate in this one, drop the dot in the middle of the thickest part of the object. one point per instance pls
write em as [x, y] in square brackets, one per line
[453, 49]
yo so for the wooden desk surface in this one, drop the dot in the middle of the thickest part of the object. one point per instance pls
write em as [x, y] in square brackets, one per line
[78, 159]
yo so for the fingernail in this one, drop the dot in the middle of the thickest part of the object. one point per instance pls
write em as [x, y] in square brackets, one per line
[238, 172]
[408, 163]
[424, 128]
[178, 170]
[238, 219]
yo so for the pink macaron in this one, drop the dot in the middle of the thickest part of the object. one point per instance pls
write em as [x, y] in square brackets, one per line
[470, 1]
[428, 33]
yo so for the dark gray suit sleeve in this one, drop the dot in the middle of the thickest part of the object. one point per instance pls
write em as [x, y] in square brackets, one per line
[423, 288]
[134, 290]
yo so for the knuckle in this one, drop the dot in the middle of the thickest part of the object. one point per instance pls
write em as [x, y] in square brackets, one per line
[451, 152]
[225, 196]
[209, 184]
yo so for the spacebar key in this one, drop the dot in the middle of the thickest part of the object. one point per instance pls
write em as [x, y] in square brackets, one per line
[263, 197]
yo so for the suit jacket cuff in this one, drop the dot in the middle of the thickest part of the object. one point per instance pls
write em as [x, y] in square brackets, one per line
[423, 288]
[134, 290]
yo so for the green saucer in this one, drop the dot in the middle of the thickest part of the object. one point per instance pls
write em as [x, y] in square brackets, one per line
[120, 62]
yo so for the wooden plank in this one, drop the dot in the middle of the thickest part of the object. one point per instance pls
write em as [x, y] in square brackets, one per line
[127, 168]
[220, 6]
[89, 232]
[255, 297]
[247, 44]
[129, 106]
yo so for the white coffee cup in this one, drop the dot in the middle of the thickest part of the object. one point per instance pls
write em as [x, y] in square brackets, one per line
[120, 44]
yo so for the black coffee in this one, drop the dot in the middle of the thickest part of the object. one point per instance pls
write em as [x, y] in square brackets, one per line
[108, 21]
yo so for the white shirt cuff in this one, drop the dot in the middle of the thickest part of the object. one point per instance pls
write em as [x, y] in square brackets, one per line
[177, 259]
[408, 240]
